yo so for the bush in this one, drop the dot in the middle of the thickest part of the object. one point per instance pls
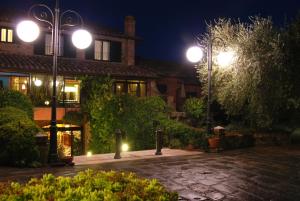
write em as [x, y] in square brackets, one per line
[194, 108]
[181, 135]
[17, 137]
[16, 99]
[89, 185]
[295, 136]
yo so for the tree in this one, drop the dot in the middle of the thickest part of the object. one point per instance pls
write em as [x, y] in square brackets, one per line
[255, 88]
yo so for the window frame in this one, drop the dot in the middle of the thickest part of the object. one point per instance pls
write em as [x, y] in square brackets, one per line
[6, 36]
[102, 50]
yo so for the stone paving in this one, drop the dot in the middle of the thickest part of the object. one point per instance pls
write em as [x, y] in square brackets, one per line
[261, 173]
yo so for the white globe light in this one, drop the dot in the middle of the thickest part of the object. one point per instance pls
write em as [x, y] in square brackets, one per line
[38, 82]
[81, 39]
[194, 54]
[28, 31]
[224, 59]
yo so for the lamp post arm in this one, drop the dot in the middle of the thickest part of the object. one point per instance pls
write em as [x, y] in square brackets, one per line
[69, 20]
[42, 16]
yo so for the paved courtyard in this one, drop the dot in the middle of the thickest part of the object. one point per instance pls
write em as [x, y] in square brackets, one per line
[261, 173]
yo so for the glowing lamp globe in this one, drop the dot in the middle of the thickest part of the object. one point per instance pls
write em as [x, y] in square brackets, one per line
[194, 54]
[224, 59]
[81, 39]
[28, 31]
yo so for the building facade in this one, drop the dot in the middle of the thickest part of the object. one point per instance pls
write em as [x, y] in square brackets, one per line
[27, 67]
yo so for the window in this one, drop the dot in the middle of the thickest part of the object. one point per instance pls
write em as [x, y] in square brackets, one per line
[6, 35]
[120, 88]
[49, 46]
[102, 50]
[71, 91]
[20, 84]
[132, 87]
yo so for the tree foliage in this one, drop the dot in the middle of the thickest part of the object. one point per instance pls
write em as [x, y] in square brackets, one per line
[256, 87]
[16, 99]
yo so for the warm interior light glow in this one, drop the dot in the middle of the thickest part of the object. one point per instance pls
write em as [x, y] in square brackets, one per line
[57, 83]
[194, 54]
[28, 31]
[23, 87]
[224, 59]
[89, 154]
[125, 147]
[81, 39]
[70, 89]
[47, 102]
[38, 82]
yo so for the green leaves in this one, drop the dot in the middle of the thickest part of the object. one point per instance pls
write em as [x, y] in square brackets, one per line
[17, 137]
[90, 186]
[256, 88]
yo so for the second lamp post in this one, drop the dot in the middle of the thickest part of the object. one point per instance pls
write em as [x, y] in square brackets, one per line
[195, 54]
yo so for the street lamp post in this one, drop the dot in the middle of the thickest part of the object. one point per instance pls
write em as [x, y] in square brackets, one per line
[80, 38]
[195, 54]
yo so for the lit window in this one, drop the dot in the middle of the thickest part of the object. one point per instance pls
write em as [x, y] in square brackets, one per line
[132, 87]
[71, 91]
[143, 89]
[120, 88]
[20, 84]
[102, 49]
[6, 35]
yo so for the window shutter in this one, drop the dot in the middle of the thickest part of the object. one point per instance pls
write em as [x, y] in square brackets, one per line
[90, 52]
[68, 48]
[115, 51]
[39, 45]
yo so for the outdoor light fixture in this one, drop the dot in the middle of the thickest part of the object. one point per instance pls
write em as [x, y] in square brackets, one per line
[82, 39]
[125, 147]
[38, 82]
[195, 54]
[23, 87]
[224, 59]
[89, 154]
[28, 31]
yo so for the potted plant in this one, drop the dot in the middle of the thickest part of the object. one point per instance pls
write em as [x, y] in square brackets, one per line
[214, 140]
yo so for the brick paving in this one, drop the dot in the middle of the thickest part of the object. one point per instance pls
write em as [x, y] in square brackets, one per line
[261, 173]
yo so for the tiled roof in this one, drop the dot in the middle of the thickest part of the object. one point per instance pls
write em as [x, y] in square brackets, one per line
[170, 69]
[68, 66]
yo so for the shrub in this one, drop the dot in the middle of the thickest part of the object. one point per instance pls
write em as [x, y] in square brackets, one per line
[89, 185]
[181, 135]
[295, 136]
[17, 137]
[16, 99]
[194, 108]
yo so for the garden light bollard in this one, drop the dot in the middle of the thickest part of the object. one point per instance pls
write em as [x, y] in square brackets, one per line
[159, 141]
[118, 144]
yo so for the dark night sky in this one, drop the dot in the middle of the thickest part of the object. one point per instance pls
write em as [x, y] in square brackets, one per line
[168, 26]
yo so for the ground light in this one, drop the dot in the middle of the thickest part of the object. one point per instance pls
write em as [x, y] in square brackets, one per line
[125, 147]
[89, 154]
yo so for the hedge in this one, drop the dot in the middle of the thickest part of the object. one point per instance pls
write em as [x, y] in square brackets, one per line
[88, 185]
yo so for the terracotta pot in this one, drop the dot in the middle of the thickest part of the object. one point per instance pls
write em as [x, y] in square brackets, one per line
[213, 142]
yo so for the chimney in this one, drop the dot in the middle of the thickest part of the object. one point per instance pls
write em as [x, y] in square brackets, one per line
[130, 26]
[130, 41]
